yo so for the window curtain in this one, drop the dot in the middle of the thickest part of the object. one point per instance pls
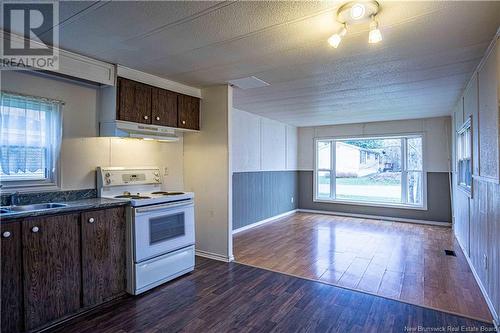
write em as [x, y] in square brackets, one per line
[30, 136]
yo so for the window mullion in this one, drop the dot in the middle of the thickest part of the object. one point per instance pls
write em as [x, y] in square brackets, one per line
[333, 176]
[404, 172]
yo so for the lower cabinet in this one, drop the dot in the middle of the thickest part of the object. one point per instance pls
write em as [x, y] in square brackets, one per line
[51, 266]
[103, 255]
[12, 287]
[56, 266]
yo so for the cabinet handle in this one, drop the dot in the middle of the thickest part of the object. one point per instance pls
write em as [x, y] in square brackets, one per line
[6, 234]
[35, 229]
[146, 117]
[157, 118]
[183, 122]
[91, 220]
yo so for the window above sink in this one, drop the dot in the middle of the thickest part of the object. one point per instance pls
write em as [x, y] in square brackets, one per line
[30, 139]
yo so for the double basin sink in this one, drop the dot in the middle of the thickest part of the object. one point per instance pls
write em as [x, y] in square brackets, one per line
[30, 208]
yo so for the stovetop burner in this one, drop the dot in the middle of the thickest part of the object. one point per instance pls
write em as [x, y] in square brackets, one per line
[167, 193]
[132, 196]
[138, 186]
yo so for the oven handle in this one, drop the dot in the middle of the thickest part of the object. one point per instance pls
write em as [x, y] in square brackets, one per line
[162, 207]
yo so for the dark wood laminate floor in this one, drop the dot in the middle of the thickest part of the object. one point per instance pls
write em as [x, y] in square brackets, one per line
[230, 297]
[402, 261]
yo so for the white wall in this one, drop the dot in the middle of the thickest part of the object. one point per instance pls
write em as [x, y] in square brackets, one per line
[262, 144]
[207, 172]
[437, 137]
[81, 150]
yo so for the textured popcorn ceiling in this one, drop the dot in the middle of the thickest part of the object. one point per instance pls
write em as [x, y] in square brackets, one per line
[428, 53]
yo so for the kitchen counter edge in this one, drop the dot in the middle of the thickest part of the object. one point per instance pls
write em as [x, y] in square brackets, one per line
[72, 206]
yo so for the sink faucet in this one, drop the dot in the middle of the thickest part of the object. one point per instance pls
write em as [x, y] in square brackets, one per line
[14, 198]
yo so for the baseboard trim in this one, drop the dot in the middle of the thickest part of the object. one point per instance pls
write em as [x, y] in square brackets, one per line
[496, 319]
[376, 217]
[214, 256]
[269, 219]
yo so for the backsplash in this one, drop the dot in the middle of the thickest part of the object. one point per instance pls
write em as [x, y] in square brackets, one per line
[56, 196]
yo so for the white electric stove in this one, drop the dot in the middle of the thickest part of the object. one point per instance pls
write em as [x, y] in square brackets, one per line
[160, 225]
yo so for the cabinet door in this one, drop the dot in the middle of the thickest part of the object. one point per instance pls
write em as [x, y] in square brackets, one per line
[11, 265]
[51, 266]
[164, 108]
[103, 255]
[188, 112]
[134, 101]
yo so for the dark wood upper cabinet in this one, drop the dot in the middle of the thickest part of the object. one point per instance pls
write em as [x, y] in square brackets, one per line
[134, 101]
[188, 112]
[51, 268]
[140, 103]
[11, 265]
[164, 107]
[103, 255]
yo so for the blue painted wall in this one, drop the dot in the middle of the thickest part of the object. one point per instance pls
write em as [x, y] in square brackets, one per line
[263, 194]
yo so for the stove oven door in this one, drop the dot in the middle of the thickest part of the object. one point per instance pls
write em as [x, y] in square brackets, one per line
[159, 229]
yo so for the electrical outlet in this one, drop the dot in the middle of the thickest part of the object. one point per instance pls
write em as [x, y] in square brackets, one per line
[485, 261]
[165, 171]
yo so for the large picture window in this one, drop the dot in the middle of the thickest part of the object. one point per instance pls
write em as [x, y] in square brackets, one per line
[379, 170]
[30, 138]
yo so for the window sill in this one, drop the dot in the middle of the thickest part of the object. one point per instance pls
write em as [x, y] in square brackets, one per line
[28, 188]
[465, 190]
[370, 204]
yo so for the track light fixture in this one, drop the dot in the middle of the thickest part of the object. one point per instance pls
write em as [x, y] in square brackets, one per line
[335, 39]
[375, 35]
[357, 12]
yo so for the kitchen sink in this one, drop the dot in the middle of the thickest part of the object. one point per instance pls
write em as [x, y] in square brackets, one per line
[42, 206]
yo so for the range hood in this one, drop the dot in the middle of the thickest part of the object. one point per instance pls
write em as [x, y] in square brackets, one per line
[125, 129]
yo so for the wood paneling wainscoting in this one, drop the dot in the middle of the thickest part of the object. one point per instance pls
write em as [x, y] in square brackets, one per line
[259, 195]
[477, 215]
[483, 240]
[401, 261]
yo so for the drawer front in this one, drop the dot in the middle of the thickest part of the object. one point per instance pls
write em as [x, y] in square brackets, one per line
[153, 272]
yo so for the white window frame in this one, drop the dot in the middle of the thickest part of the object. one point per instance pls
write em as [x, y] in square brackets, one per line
[52, 179]
[466, 126]
[404, 172]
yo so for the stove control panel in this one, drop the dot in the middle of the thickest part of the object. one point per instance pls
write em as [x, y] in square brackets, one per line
[115, 176]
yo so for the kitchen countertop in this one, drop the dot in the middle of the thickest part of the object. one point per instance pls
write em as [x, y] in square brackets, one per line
[77, 205]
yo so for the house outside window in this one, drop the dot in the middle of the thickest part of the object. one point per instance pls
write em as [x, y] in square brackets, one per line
[380, 171]
[30, 139]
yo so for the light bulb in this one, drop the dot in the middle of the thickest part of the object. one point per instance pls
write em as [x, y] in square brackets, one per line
[357, 11]
[375, 35]
[335, 40]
